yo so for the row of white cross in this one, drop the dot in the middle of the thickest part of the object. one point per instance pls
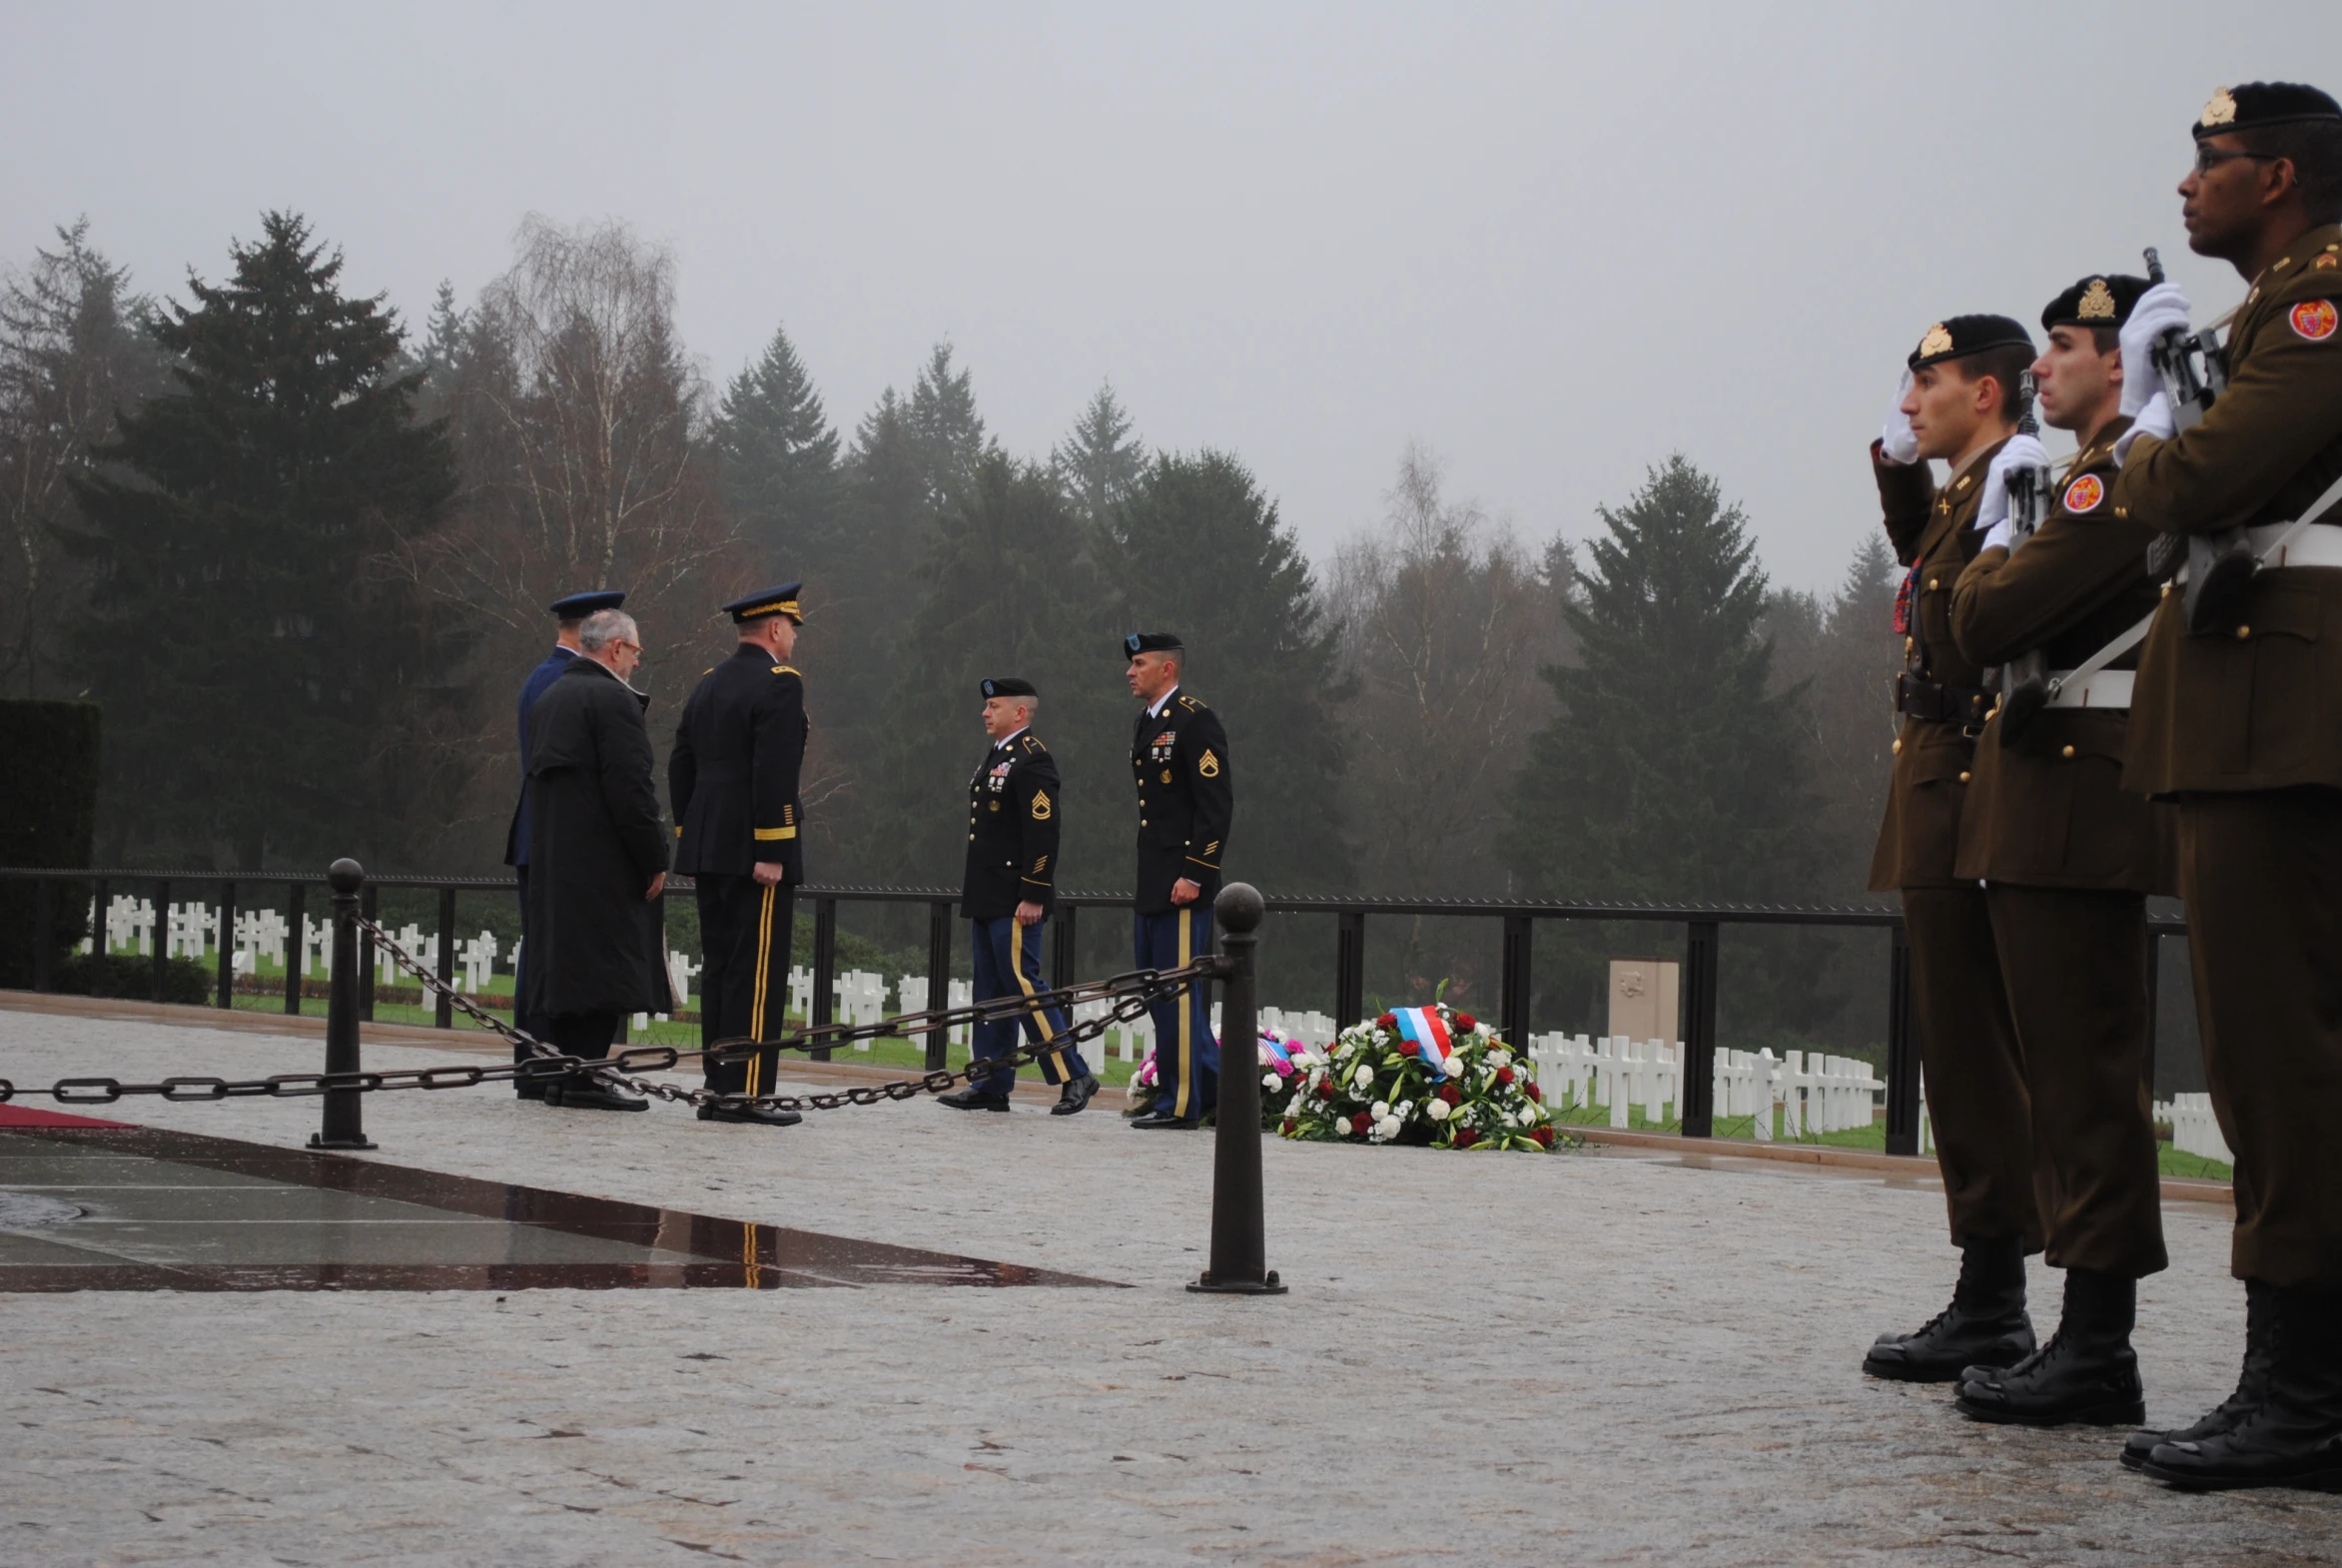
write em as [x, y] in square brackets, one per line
[1813, 1092]
[2194, 1130]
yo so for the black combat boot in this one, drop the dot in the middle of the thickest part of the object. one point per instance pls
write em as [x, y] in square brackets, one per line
[1984, 1325]
[2252, 1383]
[2086, 1374]
[2293, 1436]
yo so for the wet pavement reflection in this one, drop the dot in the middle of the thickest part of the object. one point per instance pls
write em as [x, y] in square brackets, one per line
[94, 1206]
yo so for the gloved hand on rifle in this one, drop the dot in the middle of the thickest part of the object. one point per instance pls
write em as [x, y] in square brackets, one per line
[2023, 452]
[2158, 311]
[1898, 443]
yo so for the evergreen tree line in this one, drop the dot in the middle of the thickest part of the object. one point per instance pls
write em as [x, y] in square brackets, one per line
[299, 552]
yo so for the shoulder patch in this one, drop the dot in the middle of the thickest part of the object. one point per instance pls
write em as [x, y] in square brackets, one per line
[1034, 747]
[1207, 764]
[2085, 493]
[1191, 704]
[2327, 260]
[1041, 805]
[2314, 320]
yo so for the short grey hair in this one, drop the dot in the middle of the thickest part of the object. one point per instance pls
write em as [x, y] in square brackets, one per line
[605, 627]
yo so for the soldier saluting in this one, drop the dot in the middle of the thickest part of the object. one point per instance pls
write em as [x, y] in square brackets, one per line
[2238, 717]
[1178, 757]
[1015, 808]
[733, 779]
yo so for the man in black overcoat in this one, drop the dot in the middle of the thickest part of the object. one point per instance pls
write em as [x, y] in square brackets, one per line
[597, 857]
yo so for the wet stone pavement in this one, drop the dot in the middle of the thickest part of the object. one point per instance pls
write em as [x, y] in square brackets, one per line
[1603, 1357]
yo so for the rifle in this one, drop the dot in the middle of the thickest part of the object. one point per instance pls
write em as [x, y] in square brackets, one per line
[2217, 565]
[2024, 680]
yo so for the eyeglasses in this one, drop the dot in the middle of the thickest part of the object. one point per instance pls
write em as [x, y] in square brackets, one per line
[2208, 158]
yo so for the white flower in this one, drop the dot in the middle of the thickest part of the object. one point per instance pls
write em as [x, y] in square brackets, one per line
[1437, 1110]
[1388, 1127]
[1379, 1109]
[1403, 1110]
[1498, 1056]
[1363, 1076]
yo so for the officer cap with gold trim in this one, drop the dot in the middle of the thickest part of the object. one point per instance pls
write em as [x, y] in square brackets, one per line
[1009, 686]
[2256, 104]
[2101, 299]
[767, 603]
[578, 606]
[1138, 643]
[1957, 337]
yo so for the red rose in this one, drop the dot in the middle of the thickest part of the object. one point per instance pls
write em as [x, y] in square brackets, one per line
[1407, 1048]
[1325, 1089]
[1388, 1020]
[1287, 1129]
[1466, 1022]
[1504, 1074]
[1543, 1135]
[1361, 1124]
[1533, 1093]
[1466, 1137]
[1452, 1095]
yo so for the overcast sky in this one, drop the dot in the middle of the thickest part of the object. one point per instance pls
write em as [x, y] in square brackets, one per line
[1553, 243]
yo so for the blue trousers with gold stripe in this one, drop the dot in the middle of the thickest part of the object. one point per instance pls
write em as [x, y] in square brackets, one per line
[1187, 1057]
[744, 932]
[1007, 964]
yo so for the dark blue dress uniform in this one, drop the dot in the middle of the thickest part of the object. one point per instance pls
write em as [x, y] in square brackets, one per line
[1015, 807]
[574, 608]
[734, 780]
[1180, 759]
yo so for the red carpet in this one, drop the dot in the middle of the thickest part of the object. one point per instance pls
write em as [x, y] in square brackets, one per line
[26, 1115]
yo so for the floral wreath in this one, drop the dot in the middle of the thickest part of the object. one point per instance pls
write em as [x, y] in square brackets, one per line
[1416, 1075]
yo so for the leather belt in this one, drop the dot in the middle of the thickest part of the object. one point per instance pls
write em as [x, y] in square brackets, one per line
[2103, 689]
[2318, 544]
[1928, 699]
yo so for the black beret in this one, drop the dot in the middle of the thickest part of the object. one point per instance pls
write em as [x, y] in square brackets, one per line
[1009, 686]
[766, 603]
[579, 606]
[1957, 337]
[1138, 643]
[2102, 299]
[2263, 103]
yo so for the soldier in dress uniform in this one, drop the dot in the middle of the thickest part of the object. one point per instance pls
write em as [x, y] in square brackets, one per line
[1178, 757]
[1015, 808]
[733, 777]
[2238, 715]
[2067, 857]
[568, 615]
[1958, 402]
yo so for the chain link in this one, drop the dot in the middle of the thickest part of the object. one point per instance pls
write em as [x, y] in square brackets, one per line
[1134, 993]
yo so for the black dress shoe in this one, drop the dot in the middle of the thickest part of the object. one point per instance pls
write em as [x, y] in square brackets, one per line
[1156, 1121]
[751, 1116]
[2086, 1374]
[1985, 1326]
[1075, 1095]
[585, 1093]
[2293, 1436]
[976, 1097]
[528, 1088]
[2251, 1384]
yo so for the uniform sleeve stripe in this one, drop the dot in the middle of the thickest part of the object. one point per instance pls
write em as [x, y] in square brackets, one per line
[765, 835]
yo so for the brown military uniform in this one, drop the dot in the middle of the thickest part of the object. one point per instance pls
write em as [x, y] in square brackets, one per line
[2244, 728]
[1976, 1098]
[2069, 857]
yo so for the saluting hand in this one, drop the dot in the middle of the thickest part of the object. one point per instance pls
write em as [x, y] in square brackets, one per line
[1897, 441]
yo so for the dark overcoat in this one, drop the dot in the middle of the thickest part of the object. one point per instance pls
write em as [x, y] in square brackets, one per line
[594, 843]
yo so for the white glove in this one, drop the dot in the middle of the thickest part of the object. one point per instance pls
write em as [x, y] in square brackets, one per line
[2023, 452]
[1898, 443]
[2003, 537]
[2154, 420]
[2158, 311]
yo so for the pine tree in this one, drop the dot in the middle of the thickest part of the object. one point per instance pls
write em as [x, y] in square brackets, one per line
[250, 661]
[780, 462]
[946, 430]
[1204, 554]
[445, 333]
[1099, 463]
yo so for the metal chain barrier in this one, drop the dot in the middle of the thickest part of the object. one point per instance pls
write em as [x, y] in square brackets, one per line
[1134, 994]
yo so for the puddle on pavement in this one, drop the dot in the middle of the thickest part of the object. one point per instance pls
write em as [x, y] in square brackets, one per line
[91, 1206]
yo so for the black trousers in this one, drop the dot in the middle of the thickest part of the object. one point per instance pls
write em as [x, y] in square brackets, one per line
[586, 1035]
[744, 931]
[523, 1019]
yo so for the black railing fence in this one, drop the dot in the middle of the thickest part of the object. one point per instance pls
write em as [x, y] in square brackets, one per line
[1703, 924]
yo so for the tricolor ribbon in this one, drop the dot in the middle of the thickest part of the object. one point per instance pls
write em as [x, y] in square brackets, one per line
[1284, 1058]
[1423, 1026]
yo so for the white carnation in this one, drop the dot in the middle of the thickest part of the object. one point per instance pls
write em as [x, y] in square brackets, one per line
[1437, 1110]
[1363, 1076]
[1379, 1109]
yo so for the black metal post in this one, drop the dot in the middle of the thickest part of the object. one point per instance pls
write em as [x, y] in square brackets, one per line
[294, 970]
[227, 946]
[1062, 957]
[825, 959]
[373, 908]
[345, 1124]
[44, 931]
[1513, 1000]
[1349, 969]
[98, 901]
[1902, 1050]
[162, 980]
[2154, 991]
[1697, 1010]
[939, 978]
[1240, 1248]
[445, 1015]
